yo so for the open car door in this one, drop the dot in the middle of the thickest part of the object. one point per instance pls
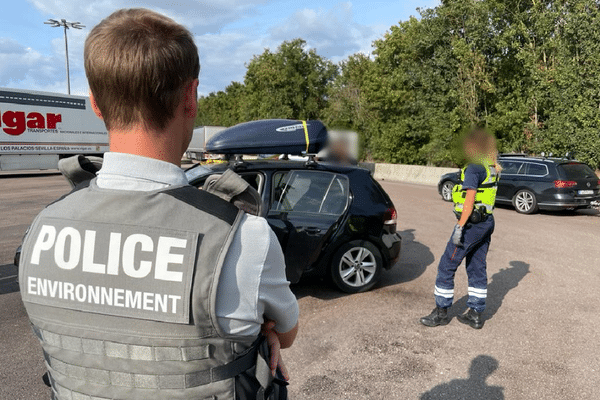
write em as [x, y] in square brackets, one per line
[305, 209]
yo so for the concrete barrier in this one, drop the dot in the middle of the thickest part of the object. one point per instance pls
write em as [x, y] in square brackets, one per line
[411, 173]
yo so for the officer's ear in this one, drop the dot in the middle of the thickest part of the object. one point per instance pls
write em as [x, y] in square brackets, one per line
[95, 106]
[190, 99]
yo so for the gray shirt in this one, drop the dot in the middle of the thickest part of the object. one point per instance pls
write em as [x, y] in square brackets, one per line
[253, 285]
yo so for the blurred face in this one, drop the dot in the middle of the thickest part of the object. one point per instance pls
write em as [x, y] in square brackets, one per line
[471, 151]
[480, 148]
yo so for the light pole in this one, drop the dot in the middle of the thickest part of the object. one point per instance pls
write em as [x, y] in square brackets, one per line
[63, 22]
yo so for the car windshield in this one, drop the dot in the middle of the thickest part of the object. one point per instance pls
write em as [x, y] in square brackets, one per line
[197, 171]
[574, 171]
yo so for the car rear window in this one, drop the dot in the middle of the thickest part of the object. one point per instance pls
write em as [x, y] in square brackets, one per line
[386, 198]
[510, 167]
[310, 192]
[537, 169]
[574, 171]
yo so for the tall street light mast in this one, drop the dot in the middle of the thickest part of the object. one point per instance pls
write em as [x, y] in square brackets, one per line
[66, 25]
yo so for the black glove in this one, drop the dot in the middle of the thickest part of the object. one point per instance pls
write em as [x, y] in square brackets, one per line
[457, 235]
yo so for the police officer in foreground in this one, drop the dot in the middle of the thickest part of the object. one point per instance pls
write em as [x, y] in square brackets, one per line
[473, 198]
[138, 285]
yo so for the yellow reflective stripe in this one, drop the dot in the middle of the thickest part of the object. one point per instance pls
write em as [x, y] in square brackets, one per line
[306, 135]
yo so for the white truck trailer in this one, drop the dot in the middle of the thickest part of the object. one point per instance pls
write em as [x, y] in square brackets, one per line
[39, 128]
[197, 147]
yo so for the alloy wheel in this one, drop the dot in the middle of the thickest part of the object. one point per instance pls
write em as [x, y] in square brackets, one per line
[357, 267]
[524, 201]
[447, 191]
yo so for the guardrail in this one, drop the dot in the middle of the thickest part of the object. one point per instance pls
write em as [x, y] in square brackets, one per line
[420, 174]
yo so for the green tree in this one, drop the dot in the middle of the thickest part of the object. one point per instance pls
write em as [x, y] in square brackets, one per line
[347, 105]
[528, 70]
[290, 83]
[223, 108]
[570, 105]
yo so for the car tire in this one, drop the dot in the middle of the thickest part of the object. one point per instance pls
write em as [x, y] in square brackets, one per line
[447, 187]
[356, 266]
[525, 202]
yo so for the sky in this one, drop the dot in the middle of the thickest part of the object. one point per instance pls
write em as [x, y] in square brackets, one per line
[228, 34]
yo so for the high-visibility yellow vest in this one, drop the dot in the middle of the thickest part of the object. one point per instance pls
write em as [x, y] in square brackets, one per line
[486, 192]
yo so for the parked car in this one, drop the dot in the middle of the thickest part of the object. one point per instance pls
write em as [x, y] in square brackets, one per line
[533, 183]
[446, 184]
[331, 220]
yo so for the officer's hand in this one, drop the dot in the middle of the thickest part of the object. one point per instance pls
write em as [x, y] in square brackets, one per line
[457, 235]
[268, 329]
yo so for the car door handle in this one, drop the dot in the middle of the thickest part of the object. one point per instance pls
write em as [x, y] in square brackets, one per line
[311, 230]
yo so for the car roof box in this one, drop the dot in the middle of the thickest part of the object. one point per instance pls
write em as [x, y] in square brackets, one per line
[270, 136]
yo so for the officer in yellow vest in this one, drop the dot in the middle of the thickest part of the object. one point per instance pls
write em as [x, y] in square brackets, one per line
[473, 199]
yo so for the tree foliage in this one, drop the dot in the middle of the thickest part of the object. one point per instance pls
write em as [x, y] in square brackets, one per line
[289, 83]
[528, 70]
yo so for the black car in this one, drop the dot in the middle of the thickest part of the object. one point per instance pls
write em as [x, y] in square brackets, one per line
[532, 183]
[331, 220]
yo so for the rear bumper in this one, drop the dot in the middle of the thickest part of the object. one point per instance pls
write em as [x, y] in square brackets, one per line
[561, 201]
[392, 243]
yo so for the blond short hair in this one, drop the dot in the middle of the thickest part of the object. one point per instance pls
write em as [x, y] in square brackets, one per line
[138, 63]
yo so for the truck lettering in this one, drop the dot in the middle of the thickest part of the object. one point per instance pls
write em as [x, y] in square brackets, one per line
[15, 121]
[35, 120]
[52, 119]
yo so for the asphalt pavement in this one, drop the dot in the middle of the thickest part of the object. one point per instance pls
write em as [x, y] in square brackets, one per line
[540, 339]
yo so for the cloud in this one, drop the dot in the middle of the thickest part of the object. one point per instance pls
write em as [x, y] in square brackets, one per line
[228, 34]
[22, 67]
[11, 46]
[333, 33]
[222, 54]
[201, 16]
[223, 58]
[19, 63]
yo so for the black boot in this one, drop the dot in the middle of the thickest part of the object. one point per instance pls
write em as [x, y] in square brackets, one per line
[439, 316]
[471, 318]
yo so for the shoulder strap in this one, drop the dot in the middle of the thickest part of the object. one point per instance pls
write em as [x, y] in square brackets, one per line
[232, 188]
[79, 168]
[204, 201]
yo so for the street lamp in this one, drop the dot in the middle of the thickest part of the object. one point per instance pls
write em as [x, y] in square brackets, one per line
[63, 22]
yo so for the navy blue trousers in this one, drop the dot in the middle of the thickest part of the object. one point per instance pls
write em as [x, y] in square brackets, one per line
[475, 245]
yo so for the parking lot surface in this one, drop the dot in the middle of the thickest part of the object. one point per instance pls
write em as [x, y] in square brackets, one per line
[540, 338]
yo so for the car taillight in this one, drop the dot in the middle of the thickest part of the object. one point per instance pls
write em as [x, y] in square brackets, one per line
[564, 184]
[389, 219]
